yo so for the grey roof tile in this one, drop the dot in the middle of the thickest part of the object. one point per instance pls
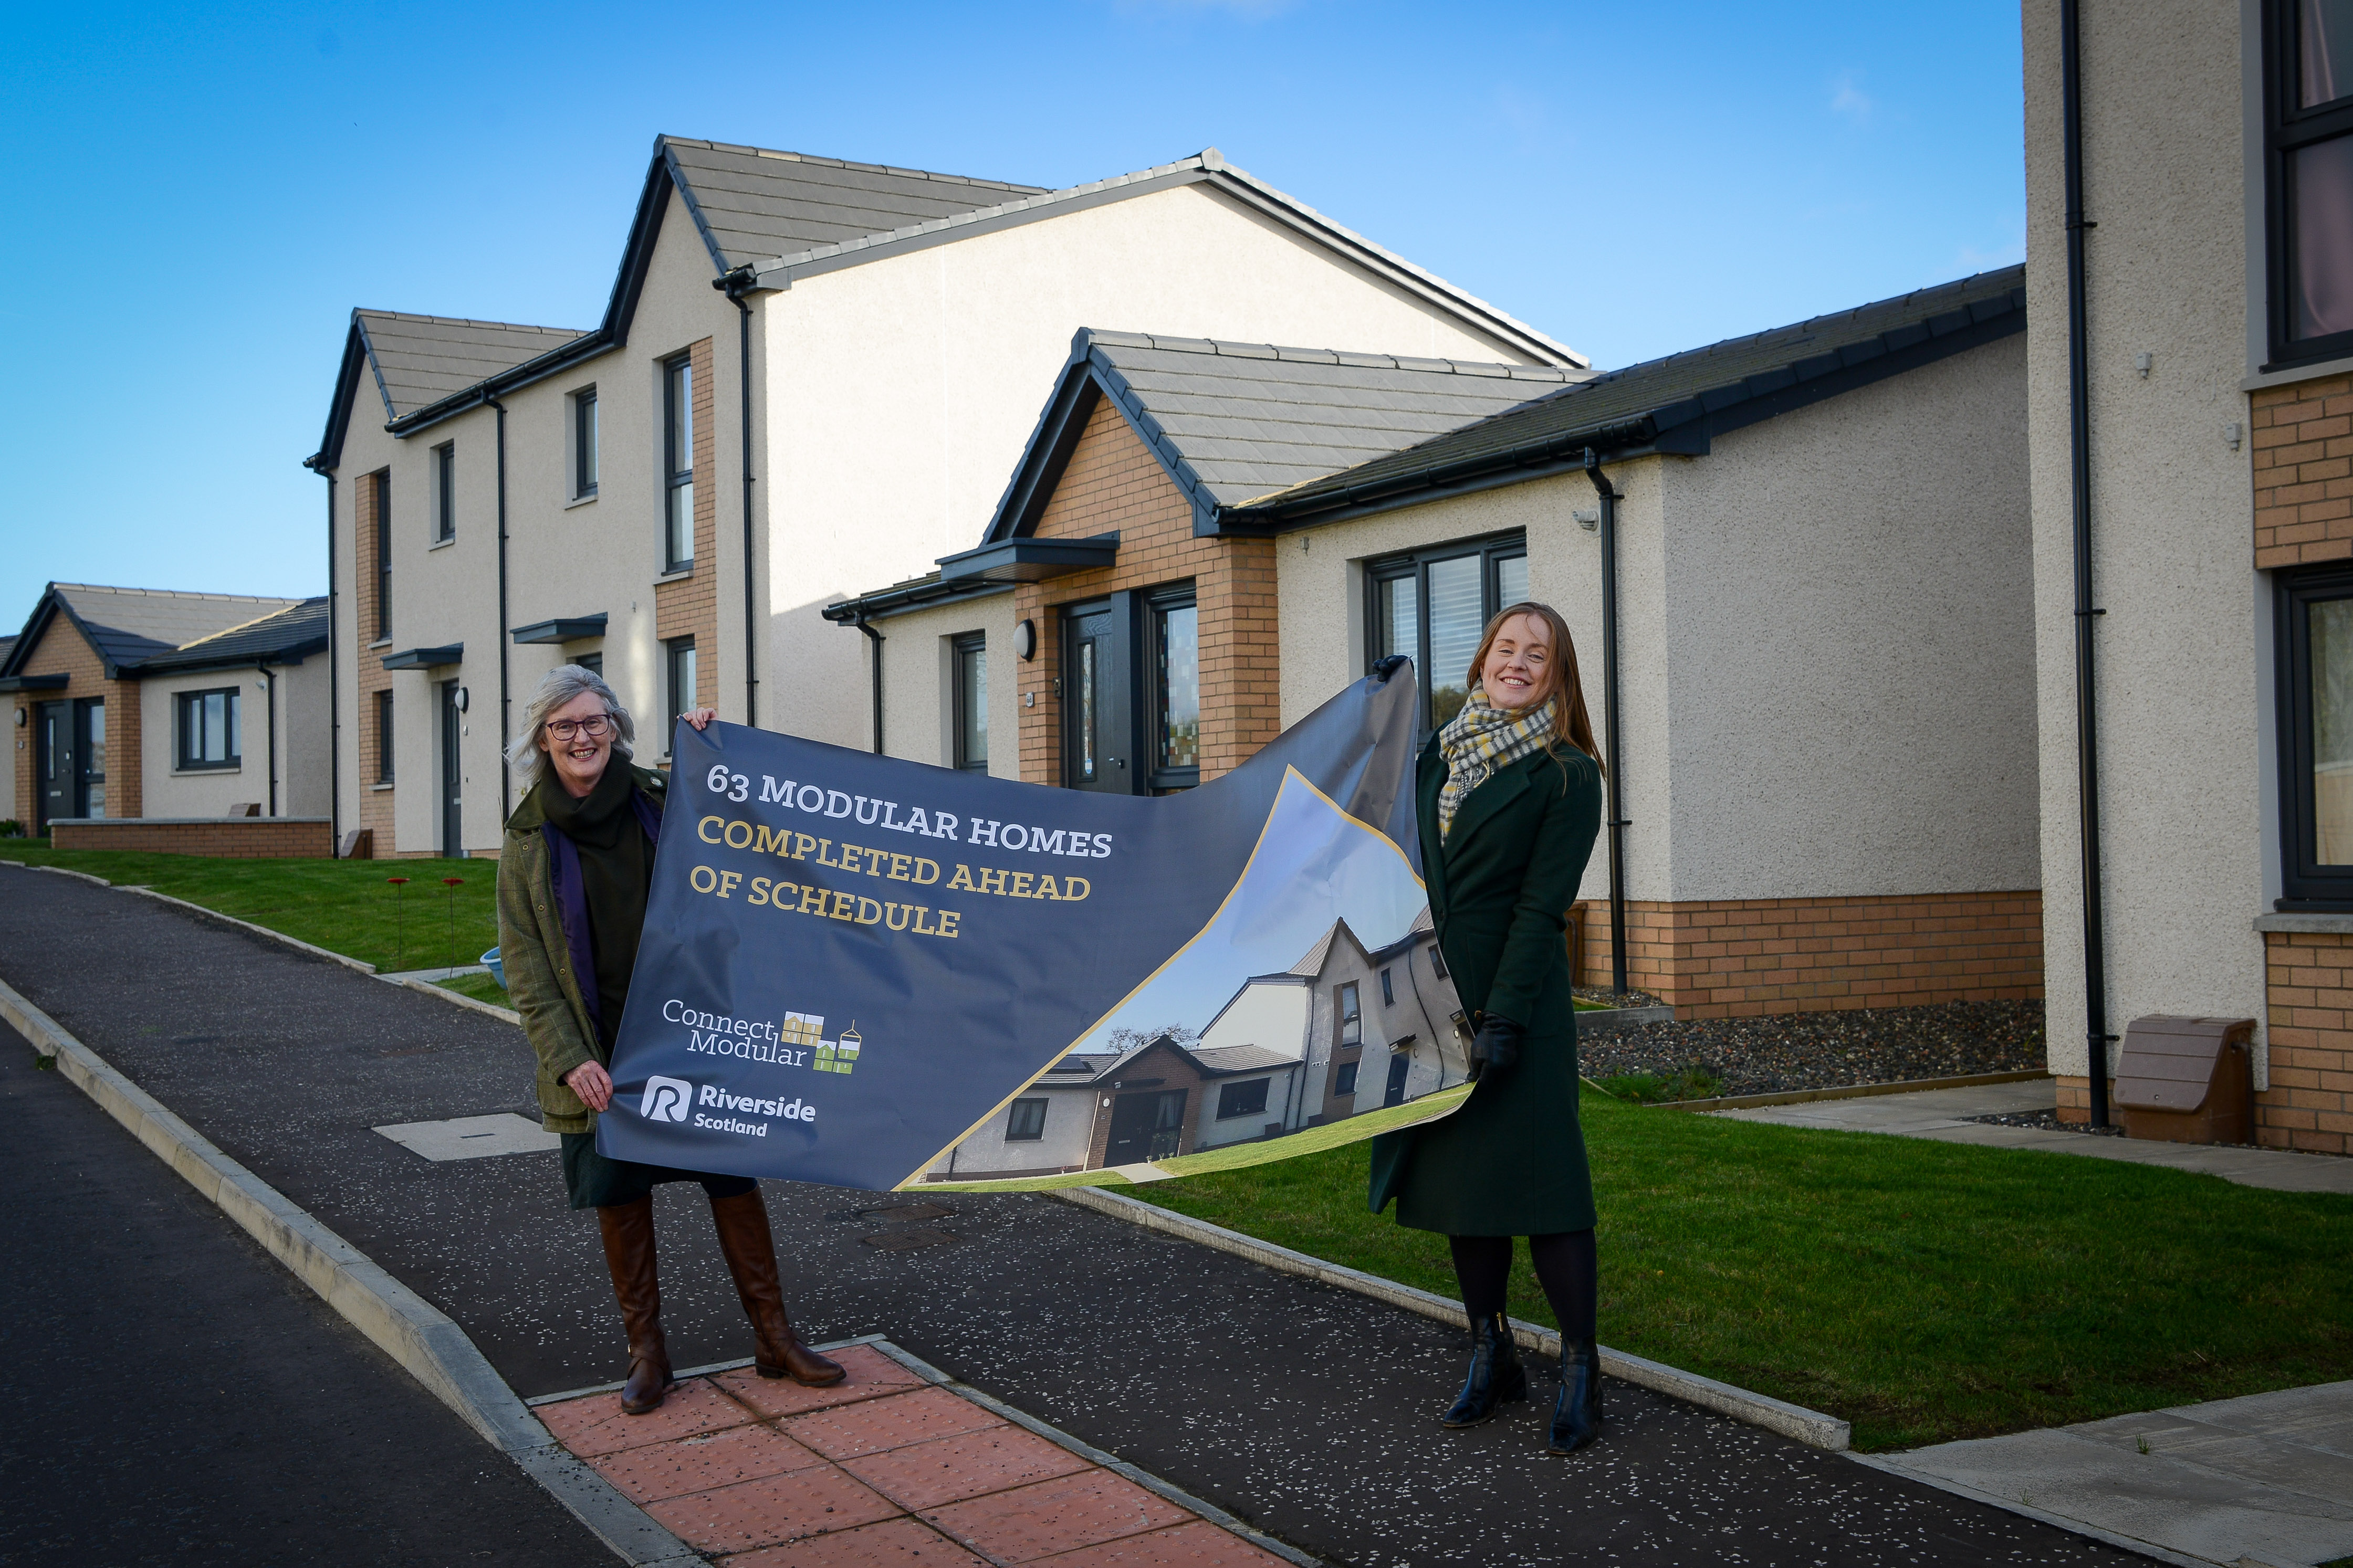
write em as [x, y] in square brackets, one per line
[131, 625]
[294, 632]
[419, 359]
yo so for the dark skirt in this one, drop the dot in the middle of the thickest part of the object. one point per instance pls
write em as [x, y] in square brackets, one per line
[593, 1181]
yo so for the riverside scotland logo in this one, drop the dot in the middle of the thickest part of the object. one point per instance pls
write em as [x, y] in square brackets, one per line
[665, 1098]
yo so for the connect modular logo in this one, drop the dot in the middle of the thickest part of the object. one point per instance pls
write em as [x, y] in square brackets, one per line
[665, 1098]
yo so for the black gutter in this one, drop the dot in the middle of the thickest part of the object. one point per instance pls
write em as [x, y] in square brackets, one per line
[506, 774]
[870, 631]
[2079, 444]
[737, 284]
[269, 699]
[1610, 496]
[334, 683]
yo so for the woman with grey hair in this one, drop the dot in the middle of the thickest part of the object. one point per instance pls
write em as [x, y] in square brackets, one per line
[574, 877]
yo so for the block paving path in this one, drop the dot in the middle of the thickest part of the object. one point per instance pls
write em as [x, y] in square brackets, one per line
[884, 1467]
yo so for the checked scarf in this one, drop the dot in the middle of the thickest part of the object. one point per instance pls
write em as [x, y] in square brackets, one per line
[1482, 739]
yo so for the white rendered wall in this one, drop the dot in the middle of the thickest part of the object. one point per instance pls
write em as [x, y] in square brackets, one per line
[1271, 1015]
[918, 704]
[901, 392]
[204, 792]
[2181, 655]
[1068, 1127]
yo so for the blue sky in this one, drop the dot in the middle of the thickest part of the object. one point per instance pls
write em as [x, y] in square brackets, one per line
[197, 199]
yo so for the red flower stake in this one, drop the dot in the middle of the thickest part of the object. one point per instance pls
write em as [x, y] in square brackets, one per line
[399, 920]
[453, 884]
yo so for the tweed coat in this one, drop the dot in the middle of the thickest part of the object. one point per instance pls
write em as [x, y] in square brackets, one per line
[1511, 1161]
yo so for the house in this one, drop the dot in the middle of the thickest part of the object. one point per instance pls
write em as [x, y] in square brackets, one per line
[1344, 1030]
[1811, 545]
[2189, 376]
[811, 374]
[161, 714]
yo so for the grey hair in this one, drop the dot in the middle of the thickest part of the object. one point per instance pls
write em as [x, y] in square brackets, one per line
[556, 687]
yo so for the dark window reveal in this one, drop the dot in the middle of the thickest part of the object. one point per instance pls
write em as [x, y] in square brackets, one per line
[205, 723]
[1434, 605]
[1437, 960]
[583, 443]
[2308, 178]
[1242, 1099]
[1025, 1121]
[678, 464]
[968, 675]
[1388, 992]
[2316, 699]
[1344, 1082]
[1176, 688]
[382, 483]
[384, 737]
[681, 651]
[1350, 1031]
[445, 491]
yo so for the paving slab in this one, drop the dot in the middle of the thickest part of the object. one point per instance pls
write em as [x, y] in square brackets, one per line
[1307, 1411]
[1944, 1114]
[2265, 1476]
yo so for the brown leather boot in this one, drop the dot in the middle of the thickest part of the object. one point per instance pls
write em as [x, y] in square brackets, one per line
[629, 1254]
[751, 1253]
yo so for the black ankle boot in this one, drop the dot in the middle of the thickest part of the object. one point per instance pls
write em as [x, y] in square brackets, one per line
[1577, 1418]
[1496, 1376]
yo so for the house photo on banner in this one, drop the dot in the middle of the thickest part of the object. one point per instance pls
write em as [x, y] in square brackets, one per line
[1823, 602]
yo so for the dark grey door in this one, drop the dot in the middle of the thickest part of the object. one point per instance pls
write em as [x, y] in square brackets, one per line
[1398, 1065]
[453, 823]
[1146, 1126]
[1098, 705]
[89, 756]
[54, 767]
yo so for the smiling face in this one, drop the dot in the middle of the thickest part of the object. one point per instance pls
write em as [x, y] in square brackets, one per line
[1518, 669]
[579, 760]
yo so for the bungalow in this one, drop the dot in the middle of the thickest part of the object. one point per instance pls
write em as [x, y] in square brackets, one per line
[1796, 566]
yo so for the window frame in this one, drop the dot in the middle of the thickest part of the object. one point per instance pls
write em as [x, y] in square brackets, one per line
[2305, 883]
[1343, 1081]
[1348, 1015]
[672, 648]
[1157, 602]
[1225, 1090]
[384, 736]
[962, 648]
[185, 703]
[1492, 550]
[1015, 1116]
[2289, 128]
[583, 443]
[444, 492]
[677, 481]
[1389, 990]
[383, 477]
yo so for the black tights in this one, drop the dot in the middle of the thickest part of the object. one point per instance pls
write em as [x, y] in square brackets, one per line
[1565, 1267]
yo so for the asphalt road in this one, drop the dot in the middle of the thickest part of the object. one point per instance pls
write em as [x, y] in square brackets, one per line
[170, 1395]
[1307, 1411]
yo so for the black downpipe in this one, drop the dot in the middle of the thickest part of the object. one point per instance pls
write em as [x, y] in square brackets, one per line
[870, 631]
[506, 774]
[1610, 499]
[269, 702]
[737, 284]
[2079, 441]
[335, 685]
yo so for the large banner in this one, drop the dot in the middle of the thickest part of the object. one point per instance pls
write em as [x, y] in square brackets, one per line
[876, 973]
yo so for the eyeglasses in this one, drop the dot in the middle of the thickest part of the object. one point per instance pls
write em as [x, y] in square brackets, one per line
[595, 727]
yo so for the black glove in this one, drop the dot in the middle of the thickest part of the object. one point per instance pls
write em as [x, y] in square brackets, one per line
[1389, 666]
[1496, 1047]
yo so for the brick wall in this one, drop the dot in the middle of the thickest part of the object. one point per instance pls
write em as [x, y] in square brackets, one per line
[2302, 439]
[1737, 957]
[375, 812]
[688, 606]
[63, 651]
[2309, 992]
[1153, 1073]
[228, 837]
[1114, 485]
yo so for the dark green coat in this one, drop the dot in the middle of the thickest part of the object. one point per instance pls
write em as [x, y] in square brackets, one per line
[1512, 1161]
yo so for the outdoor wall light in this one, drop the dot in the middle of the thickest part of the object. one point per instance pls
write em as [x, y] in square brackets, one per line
[461, 700]
[1025, 640]
[20, 718]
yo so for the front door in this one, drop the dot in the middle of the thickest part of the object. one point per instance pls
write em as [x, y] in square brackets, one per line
[1147, 1126]
[1399, 1065]
[89, 756]
[54, 766]
[1098, 722]
[453, 823]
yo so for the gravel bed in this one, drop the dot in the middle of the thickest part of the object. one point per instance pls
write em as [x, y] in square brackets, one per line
[1602, 996]
[1828, 1050]
[2049, 1121]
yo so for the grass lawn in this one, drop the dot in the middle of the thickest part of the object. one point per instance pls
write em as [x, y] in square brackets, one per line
[343, 906]
[1922, 1291]
[480, 987]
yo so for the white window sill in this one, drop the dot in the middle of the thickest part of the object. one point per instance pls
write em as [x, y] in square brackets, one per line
[441, 544]
[2317, 922]
[379, 786]
[680, 575]
[2294, 373]
[381, 642]
[589, 499]
[207, 772]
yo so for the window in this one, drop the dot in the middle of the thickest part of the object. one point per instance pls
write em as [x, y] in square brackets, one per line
[681, 683]
[383, 555]
[384, 737]
[1175, 666]
[1242, 1099]
[1025, 1121]
[678, 464]
[593, 663]
[1388, 993]
[1348, 1026]
[968, 676]
[445, 491]
[205, 722]
[2308, 177]
[583, 443]
[1434, 605]
[2315, 695]
[1437, 960]
[1344, 1082]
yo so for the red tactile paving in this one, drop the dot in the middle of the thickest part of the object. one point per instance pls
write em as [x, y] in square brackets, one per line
[882, 1471]
[969, 1464]
[1048, 1517]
